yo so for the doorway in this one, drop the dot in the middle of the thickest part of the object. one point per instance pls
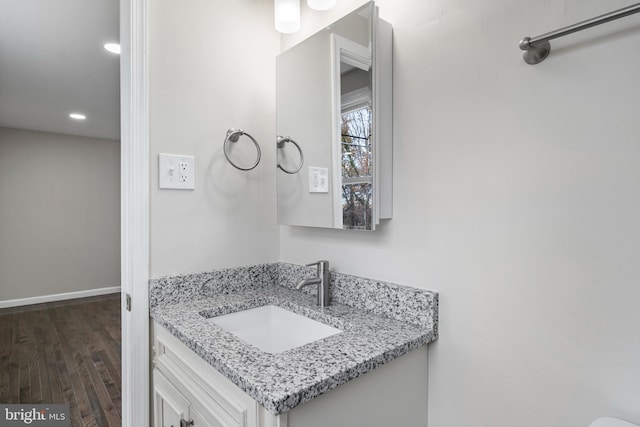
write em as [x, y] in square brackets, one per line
[60, 208]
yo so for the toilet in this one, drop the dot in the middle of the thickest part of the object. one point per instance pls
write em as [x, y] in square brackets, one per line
[611, 422]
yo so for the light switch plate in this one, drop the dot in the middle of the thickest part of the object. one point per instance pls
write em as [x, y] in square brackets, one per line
[318, 180]
[176, 172]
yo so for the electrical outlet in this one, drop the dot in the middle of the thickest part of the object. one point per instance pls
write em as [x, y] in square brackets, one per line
[184, 172]
[176, 172]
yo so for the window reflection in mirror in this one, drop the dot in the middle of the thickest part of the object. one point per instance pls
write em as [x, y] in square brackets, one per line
[355, 186]
[356, 166]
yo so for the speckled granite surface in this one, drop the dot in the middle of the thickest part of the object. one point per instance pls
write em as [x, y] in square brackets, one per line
[189, 287]
[381, 321]
[399, 302]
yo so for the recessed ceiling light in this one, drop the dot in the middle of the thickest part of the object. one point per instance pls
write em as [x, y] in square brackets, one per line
[113, 48]
[77, 116]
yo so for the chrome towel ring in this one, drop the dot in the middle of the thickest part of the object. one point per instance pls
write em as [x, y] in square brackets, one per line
[281, 140]
[233, 135]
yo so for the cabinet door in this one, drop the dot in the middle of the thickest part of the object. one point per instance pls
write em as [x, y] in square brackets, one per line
[169, 405]
[211, 399]
[201, 420]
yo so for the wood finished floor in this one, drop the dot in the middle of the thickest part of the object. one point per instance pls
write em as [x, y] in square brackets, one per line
[66, 352]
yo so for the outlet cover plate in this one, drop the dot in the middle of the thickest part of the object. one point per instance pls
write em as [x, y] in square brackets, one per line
[318, 180]
[176, 172]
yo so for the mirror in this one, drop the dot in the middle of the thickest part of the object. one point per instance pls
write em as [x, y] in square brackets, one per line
[333, 108]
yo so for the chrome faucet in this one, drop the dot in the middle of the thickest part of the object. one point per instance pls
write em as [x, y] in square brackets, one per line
[321, 279]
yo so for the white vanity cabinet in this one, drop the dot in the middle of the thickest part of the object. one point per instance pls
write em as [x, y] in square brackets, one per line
[187, 391]
[172, 409]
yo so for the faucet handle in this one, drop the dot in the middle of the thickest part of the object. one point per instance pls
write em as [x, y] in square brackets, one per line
[322, 265]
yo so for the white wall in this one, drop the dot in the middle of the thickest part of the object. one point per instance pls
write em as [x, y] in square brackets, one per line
[517, 198]
[59, 214]
[212, 67]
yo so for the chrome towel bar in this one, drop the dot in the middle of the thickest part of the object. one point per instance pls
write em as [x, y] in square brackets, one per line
[280, 141]
[538, 48]
[232, 136]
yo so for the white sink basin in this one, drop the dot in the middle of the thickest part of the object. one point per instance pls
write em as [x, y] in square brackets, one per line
[273, 329]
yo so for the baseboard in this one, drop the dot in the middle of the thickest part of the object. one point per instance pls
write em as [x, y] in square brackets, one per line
[59, 297]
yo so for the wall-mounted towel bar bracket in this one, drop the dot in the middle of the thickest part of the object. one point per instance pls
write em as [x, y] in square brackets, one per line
[233, 135]
[538, 48]
[280, 141]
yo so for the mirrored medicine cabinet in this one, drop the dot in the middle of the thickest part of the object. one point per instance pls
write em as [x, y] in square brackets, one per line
[334, 125]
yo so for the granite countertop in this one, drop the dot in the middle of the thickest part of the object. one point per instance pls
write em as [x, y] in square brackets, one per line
[281, 381]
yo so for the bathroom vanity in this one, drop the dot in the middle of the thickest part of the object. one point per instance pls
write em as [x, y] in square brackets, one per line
[189, 391]
[372, 372]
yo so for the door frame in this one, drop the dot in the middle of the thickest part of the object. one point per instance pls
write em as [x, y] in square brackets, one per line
[134, 175]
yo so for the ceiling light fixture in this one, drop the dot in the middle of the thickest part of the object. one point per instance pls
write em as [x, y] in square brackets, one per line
[321, 4]
[113, 48]
[77, 116]
[287, 15]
